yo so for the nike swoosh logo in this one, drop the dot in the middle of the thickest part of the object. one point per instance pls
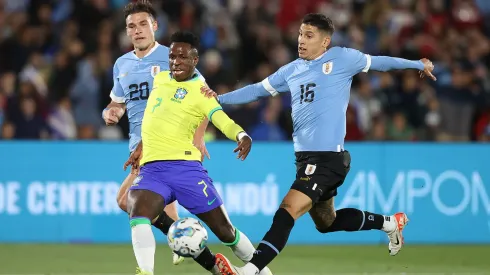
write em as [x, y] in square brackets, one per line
[211, 202]
[397, 241]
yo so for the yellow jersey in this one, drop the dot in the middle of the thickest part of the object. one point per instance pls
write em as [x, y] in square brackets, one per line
[173, 112]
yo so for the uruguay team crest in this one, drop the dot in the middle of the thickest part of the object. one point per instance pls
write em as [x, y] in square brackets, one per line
[180, 93]
[310, 169]
[155, 70]
[327, 67]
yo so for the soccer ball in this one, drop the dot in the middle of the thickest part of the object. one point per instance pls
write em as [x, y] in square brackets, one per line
[187, 237]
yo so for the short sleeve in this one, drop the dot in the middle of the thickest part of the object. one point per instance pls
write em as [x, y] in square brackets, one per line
[276, 82]
[117, 92]
[356, 61]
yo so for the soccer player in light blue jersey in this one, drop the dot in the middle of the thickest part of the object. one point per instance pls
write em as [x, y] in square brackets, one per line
[133, 80]
[319, 83]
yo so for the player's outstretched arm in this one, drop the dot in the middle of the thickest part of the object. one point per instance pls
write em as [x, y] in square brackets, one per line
[387, 63]
[113, 113]
[244, 95]
[357, 62]
[271, 86]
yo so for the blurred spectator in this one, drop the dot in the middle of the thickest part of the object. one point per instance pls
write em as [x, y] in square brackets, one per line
[268, 128]
[8, 131]
[61, 121]
[482, 127]
[457, 106]
[29, 124]
[398, 128]
[85, 96]
[57, 58]
[432, 119]
[2, 112]
[378, 132]
[365, 103]
[354, 132]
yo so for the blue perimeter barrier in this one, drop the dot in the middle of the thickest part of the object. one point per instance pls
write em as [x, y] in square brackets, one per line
[65, 192]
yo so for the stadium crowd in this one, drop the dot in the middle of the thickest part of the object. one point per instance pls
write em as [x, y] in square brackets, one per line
[56, 59]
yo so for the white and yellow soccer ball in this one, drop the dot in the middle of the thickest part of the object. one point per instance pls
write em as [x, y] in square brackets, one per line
[187, 237]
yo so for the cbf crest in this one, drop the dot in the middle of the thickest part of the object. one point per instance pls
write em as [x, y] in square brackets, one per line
[180, 93]
[155, 70]
[327, 67]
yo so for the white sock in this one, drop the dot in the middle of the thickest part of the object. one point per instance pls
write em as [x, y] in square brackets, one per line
[244, 250]
[250, 269]
[389, 224]
[143, 243]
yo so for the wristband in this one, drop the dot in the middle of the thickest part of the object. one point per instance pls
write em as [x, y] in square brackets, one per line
[241, 135]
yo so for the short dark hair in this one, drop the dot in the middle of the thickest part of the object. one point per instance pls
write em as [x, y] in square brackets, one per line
[140, 6]
[320, 21]
[185, 37]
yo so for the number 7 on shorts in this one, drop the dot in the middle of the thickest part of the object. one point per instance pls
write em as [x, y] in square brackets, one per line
[204, 188]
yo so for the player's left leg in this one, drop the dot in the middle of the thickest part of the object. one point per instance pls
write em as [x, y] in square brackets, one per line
[195, 192]
[350, 219]
[146, 199]
[237, 241]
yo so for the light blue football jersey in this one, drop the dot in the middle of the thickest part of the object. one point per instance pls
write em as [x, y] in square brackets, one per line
[320, 91]
[133, 82]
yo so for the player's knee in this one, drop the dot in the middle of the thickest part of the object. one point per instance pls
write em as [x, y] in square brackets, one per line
[326, 223]
[225, 233]
[323, 230]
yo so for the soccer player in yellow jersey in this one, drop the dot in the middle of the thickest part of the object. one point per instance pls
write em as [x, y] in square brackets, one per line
[171, 166]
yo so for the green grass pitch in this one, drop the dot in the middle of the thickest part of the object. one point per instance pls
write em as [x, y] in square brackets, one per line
[312, 260]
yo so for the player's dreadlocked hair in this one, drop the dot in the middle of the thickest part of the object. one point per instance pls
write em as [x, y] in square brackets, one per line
[320, 21]
[140, 6]
[185, 37]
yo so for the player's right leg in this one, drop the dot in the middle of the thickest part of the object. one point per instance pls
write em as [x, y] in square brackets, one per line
[304, 193]
[161, 222]
[294, 205]
[145, 201]
[122, 199]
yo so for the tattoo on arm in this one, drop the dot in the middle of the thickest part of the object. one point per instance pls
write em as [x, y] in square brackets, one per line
[285, 205]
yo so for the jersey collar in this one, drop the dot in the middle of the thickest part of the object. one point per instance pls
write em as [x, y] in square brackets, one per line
[150, 52]
[320, 57]
[316, 59]
[194, 77]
